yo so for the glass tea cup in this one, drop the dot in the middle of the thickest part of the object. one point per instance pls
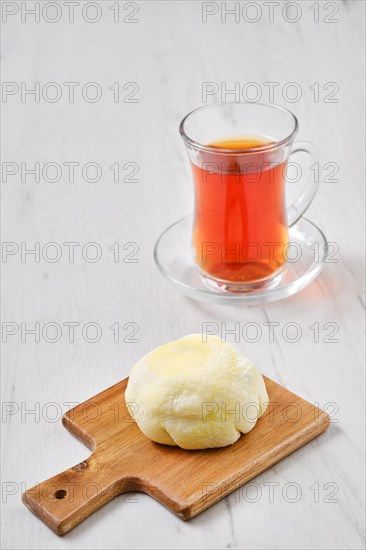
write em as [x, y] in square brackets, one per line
[239, 156]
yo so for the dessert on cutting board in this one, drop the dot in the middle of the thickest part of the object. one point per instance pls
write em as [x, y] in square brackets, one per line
[188, 393]
[196, 394]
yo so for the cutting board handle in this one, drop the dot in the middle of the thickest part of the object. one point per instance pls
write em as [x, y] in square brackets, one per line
[63, 501]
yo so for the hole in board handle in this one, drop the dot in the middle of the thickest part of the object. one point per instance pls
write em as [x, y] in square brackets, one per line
[61, 493]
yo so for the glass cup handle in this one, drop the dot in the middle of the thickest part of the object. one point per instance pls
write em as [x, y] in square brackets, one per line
[297, 209]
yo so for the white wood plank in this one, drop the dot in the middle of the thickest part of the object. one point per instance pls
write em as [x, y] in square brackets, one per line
[170, 53]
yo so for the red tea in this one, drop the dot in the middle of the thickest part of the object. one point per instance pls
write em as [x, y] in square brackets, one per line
[240, 223]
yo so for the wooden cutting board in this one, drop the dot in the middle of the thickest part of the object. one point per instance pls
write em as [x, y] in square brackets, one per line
[186, 482]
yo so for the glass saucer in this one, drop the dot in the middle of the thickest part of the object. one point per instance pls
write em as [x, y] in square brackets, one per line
[174, 257]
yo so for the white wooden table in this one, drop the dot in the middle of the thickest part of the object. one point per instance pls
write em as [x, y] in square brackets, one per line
[161, 62]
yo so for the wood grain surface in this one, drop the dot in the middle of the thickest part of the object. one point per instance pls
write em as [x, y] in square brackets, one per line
[186, 482]
[170, 53]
